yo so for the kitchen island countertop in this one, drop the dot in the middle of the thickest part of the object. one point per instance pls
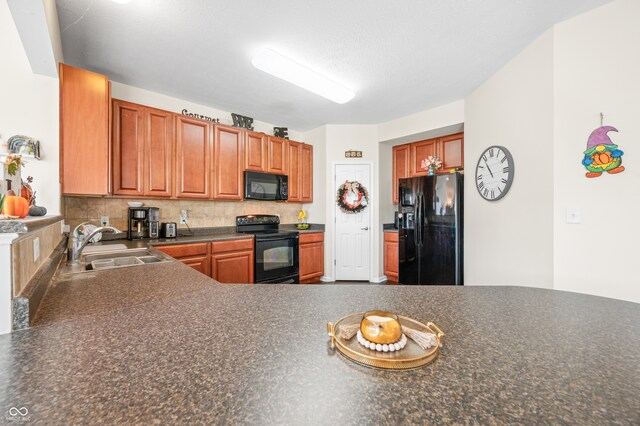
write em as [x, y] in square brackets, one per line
[165, 343]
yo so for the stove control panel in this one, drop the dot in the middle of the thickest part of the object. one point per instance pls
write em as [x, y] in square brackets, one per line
[258, 219]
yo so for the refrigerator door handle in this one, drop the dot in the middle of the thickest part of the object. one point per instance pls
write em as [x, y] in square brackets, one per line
[419, 220]
[423, 217]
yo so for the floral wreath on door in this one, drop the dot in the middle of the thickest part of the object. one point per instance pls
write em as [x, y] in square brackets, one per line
[352, 197]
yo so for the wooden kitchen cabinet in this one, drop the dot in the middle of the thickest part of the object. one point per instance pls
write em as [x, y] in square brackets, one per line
[193, 255]
[128, 148]
[193, 140]
[451, 152]
[306, 173]
[228, 158]
[255, 151]
[420, 151]
[84, 132]
[142, 150]
[294, 172]
[400, 168]
[277, 155]
[232, 261]
[158, 153]
[311, 255]
[391, 268]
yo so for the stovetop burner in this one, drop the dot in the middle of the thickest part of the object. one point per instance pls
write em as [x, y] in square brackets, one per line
[261, 225]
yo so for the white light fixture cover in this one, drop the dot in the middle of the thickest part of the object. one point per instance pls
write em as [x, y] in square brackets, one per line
[121, 1]
[291, 71]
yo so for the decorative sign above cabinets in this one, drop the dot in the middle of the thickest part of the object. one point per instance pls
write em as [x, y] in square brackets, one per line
[242, 121]
[281, 132]
[200, 116]
[353, 154]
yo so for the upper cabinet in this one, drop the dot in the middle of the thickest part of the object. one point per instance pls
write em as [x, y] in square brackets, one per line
[228, 156]
[84, 132]
[128, 148]
[276, 155]
[142, 150]
[407, 158]
[158, 153]
[255, 151]
[306, 173]
[451, 152]
[193, 139]
[420, 151]
[295, 151]
[400, 168]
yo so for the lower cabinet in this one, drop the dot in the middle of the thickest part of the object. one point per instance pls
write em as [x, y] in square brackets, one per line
[229, 261]
[194, 255]
[232, 261]
[311, 257]
[391, 269]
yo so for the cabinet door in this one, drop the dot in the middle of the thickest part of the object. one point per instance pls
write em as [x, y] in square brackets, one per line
[84, 132]
[193, 157]
[228, 158]
[128, 146]
[158, 153]
[400, 168]
[294, 170]
[255, 151]
[276, 155]
[306, 174]
[200, 264]
[233, 268]
[451, 152]
[420, 151]
[391, 269]
[311, 257]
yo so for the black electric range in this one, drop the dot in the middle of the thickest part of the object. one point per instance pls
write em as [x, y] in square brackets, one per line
[276, 252]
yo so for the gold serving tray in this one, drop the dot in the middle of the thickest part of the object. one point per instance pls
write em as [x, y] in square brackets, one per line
[412, 356]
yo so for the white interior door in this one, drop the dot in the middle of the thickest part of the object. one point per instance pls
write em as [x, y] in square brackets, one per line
[353, 230]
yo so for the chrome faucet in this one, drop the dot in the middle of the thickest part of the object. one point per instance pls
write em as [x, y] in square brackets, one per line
[76, 246]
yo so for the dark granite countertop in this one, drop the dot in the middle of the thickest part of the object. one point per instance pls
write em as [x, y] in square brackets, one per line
[163, 343]
[388, 227]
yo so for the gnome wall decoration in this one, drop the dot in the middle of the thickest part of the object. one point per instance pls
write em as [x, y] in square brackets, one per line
[602, 155]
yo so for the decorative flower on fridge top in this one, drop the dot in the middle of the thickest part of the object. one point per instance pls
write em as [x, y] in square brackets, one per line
[431, 162]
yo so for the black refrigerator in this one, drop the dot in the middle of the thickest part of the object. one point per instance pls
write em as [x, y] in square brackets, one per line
[430, 243]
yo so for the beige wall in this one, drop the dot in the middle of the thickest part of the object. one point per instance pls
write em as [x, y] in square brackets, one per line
[510, 241]
[597, 69]
[200, 213]
[29, 106]
[24, 265]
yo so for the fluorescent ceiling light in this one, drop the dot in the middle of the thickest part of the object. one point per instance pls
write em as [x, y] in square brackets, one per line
[291, 71]
[121, 1]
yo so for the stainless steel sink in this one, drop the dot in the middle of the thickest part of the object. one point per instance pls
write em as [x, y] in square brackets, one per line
[105, 260]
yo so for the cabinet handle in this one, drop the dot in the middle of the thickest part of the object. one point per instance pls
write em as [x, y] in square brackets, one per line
[366, 228]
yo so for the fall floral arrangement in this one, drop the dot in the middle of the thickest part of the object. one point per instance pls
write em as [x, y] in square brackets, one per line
[431, 163]
[13, 162]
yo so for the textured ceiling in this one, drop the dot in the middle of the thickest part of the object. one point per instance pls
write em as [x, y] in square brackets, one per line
[400, 57]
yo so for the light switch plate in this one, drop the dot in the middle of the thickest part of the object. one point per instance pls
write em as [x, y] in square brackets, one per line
[36, 249]
[574, 215]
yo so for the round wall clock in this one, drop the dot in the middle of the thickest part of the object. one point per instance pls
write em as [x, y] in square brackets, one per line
[494, 173]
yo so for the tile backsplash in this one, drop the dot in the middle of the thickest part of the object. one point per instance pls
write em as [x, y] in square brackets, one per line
[200, 213]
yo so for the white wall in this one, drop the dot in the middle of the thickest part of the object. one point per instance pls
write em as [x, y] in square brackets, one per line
[510, 241]
[412, 126]
[597, 69]
[29, 107]
[168, 103]
[340, 138]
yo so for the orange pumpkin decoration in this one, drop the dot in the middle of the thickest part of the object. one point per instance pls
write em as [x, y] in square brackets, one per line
[15, 206]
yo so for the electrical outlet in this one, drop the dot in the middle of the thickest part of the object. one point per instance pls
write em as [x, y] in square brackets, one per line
[183, 217]
[36, 249]
[574, 215]
[104, 220]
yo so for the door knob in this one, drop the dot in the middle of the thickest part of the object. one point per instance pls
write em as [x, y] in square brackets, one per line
[366, 228]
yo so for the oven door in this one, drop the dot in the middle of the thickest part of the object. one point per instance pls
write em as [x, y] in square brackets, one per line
[276, 257]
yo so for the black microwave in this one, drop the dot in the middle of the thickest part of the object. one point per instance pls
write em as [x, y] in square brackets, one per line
[265, 186]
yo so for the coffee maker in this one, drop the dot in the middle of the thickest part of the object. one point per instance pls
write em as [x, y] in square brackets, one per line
[144, 222]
